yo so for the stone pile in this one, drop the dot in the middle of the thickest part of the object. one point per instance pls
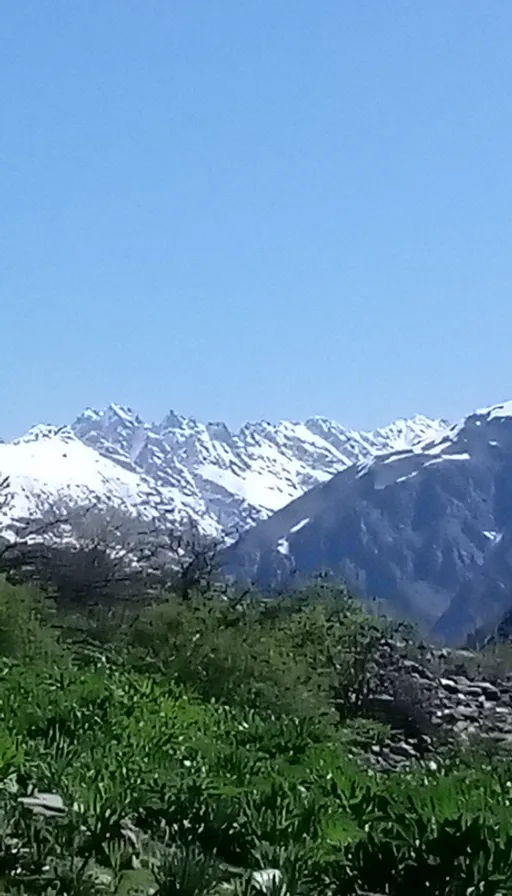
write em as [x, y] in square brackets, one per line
[450, 708]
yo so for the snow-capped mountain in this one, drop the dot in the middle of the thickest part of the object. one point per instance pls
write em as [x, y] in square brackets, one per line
[245, 476]
[427, 529]
[224, 481]
[51, 468]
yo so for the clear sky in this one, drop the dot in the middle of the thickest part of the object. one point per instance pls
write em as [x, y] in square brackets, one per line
[255, 208]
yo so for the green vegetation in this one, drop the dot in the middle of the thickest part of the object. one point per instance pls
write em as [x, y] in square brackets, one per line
[205, 746]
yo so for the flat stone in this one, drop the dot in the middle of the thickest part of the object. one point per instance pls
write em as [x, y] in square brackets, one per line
[473, 690]
[462, 726]
[417, 669]
[449, 685]
[404, 749]
[488, 689]
[462, 681]
[467, 712]
[384, 699]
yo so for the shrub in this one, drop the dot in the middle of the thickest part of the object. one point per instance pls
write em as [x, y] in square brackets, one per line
[26, 630]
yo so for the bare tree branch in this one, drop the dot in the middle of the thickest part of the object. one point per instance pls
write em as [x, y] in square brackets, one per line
[87, 555]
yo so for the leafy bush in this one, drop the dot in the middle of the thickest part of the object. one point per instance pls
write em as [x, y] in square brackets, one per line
[26, 630]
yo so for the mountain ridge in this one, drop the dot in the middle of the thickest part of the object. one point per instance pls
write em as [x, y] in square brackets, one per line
[224, 480]
[427, 529]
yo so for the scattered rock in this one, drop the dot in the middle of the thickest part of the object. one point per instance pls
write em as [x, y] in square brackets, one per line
[453, 706]
[405, 749]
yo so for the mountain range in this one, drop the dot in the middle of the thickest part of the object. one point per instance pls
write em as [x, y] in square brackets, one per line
[417, 514]
[224, 481]
[428, 530]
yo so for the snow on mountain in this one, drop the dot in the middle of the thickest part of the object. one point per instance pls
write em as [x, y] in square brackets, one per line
[224, 481]
[243, 476]
[51, 466]
[426, 527]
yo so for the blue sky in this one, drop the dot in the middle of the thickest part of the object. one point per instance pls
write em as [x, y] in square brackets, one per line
[249, 208]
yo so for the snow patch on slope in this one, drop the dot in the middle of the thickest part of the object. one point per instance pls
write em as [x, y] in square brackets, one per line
[299, 526]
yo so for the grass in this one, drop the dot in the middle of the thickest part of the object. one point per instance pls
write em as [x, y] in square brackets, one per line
[195, 746]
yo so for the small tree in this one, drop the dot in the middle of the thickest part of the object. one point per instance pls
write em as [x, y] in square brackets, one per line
[87, 556]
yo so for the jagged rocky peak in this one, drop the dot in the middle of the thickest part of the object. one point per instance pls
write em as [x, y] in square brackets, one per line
[89, 415]
[242, 476]
[114, 416]
[172, 420]
[402, 434]
[218, 431]
[227, 479]
[118, 414]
